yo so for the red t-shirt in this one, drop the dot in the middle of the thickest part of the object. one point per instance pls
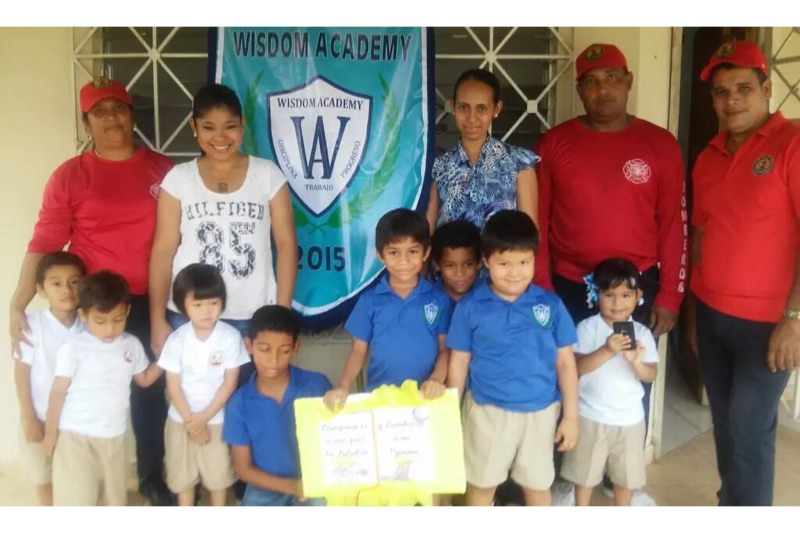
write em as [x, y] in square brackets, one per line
[748, 206]
[106, 211]
[612, 194]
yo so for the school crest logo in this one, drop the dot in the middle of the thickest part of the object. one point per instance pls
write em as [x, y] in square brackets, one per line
[541, 313]
[319, 134]
[594, 53]
[763, 165]
[725, 50]
[215, 359]
[431, 313]
[637, 171]
[155, 189]
[128, 356]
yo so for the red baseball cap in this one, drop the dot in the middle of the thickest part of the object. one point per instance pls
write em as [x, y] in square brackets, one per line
[737, 53]
[100, 88]
[599, 55]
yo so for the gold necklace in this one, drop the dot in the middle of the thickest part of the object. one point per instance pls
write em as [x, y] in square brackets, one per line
[222, 185]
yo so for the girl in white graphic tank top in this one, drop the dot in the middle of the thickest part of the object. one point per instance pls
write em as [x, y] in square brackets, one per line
[221, 209]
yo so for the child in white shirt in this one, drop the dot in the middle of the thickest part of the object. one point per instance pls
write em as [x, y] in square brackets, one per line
[87, 413]
[202, 360]
[57, 277]
[611, 369]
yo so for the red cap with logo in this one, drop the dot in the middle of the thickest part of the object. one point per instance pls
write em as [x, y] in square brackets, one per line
[100, 88]
[599, 55]
[739, 54]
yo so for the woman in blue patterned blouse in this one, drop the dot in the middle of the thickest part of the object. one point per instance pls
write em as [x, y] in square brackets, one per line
[481, 175]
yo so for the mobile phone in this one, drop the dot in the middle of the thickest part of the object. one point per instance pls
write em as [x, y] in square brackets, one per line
[626, 328]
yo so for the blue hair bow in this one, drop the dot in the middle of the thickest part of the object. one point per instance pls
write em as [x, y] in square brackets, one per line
[592, 294]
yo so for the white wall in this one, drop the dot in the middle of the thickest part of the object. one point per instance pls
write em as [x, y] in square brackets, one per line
[37, 109]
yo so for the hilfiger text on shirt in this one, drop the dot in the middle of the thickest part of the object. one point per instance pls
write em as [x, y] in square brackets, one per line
[205, 209]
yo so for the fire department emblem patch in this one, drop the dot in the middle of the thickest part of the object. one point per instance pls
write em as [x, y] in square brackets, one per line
[593, 53]
[725, 50]
[100, 82]
[637, 171]
[763, 165]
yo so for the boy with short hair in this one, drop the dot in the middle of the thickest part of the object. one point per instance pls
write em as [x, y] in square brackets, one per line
[57, 277]
[259, 418]
[87, 413]
[514, 340]
[402, 321]
[456, 257]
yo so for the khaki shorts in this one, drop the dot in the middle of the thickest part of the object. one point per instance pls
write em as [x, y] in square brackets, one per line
[38, 466]
[497, 441]
[189, 463]
[86, 467]
[622, 447]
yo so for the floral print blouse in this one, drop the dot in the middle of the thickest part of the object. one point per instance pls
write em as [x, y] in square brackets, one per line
[475, 192]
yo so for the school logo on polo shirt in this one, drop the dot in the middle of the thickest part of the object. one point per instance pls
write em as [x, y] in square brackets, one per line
[128, 356]
[431, 313]
[637, 171]
[215, 359]
[763, 165]
[155, 189]
[541, 313]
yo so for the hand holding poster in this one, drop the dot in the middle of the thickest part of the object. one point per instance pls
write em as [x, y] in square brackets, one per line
[390, 447]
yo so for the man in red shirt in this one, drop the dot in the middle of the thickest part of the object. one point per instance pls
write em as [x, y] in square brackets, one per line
[745, 247]
[612, 185]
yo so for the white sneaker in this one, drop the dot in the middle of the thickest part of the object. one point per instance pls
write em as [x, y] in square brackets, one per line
[640, 498]
[563, 494]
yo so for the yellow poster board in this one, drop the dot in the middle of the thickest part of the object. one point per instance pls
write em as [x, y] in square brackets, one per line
[389, 447]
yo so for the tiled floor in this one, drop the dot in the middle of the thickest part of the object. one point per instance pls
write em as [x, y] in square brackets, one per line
[685, 475]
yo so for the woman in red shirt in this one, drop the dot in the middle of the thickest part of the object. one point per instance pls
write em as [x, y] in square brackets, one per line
[103, 204]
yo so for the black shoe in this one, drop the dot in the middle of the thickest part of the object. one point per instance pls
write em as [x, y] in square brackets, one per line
[238, 489]
[154, 489]
[509, 493]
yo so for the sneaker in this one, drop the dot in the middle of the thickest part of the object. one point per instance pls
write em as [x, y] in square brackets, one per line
[155, 490]
[640, 498]
[563, 494]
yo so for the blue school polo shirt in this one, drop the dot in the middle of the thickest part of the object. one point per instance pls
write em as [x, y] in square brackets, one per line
[512, 345]
[255, 420]
[402, 334]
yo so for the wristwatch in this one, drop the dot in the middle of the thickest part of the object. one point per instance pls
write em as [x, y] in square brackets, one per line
[794, 314]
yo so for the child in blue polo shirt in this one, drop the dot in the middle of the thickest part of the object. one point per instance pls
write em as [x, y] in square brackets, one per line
[403, 320]
[259, 418]
[456, 257]
[514, 340]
